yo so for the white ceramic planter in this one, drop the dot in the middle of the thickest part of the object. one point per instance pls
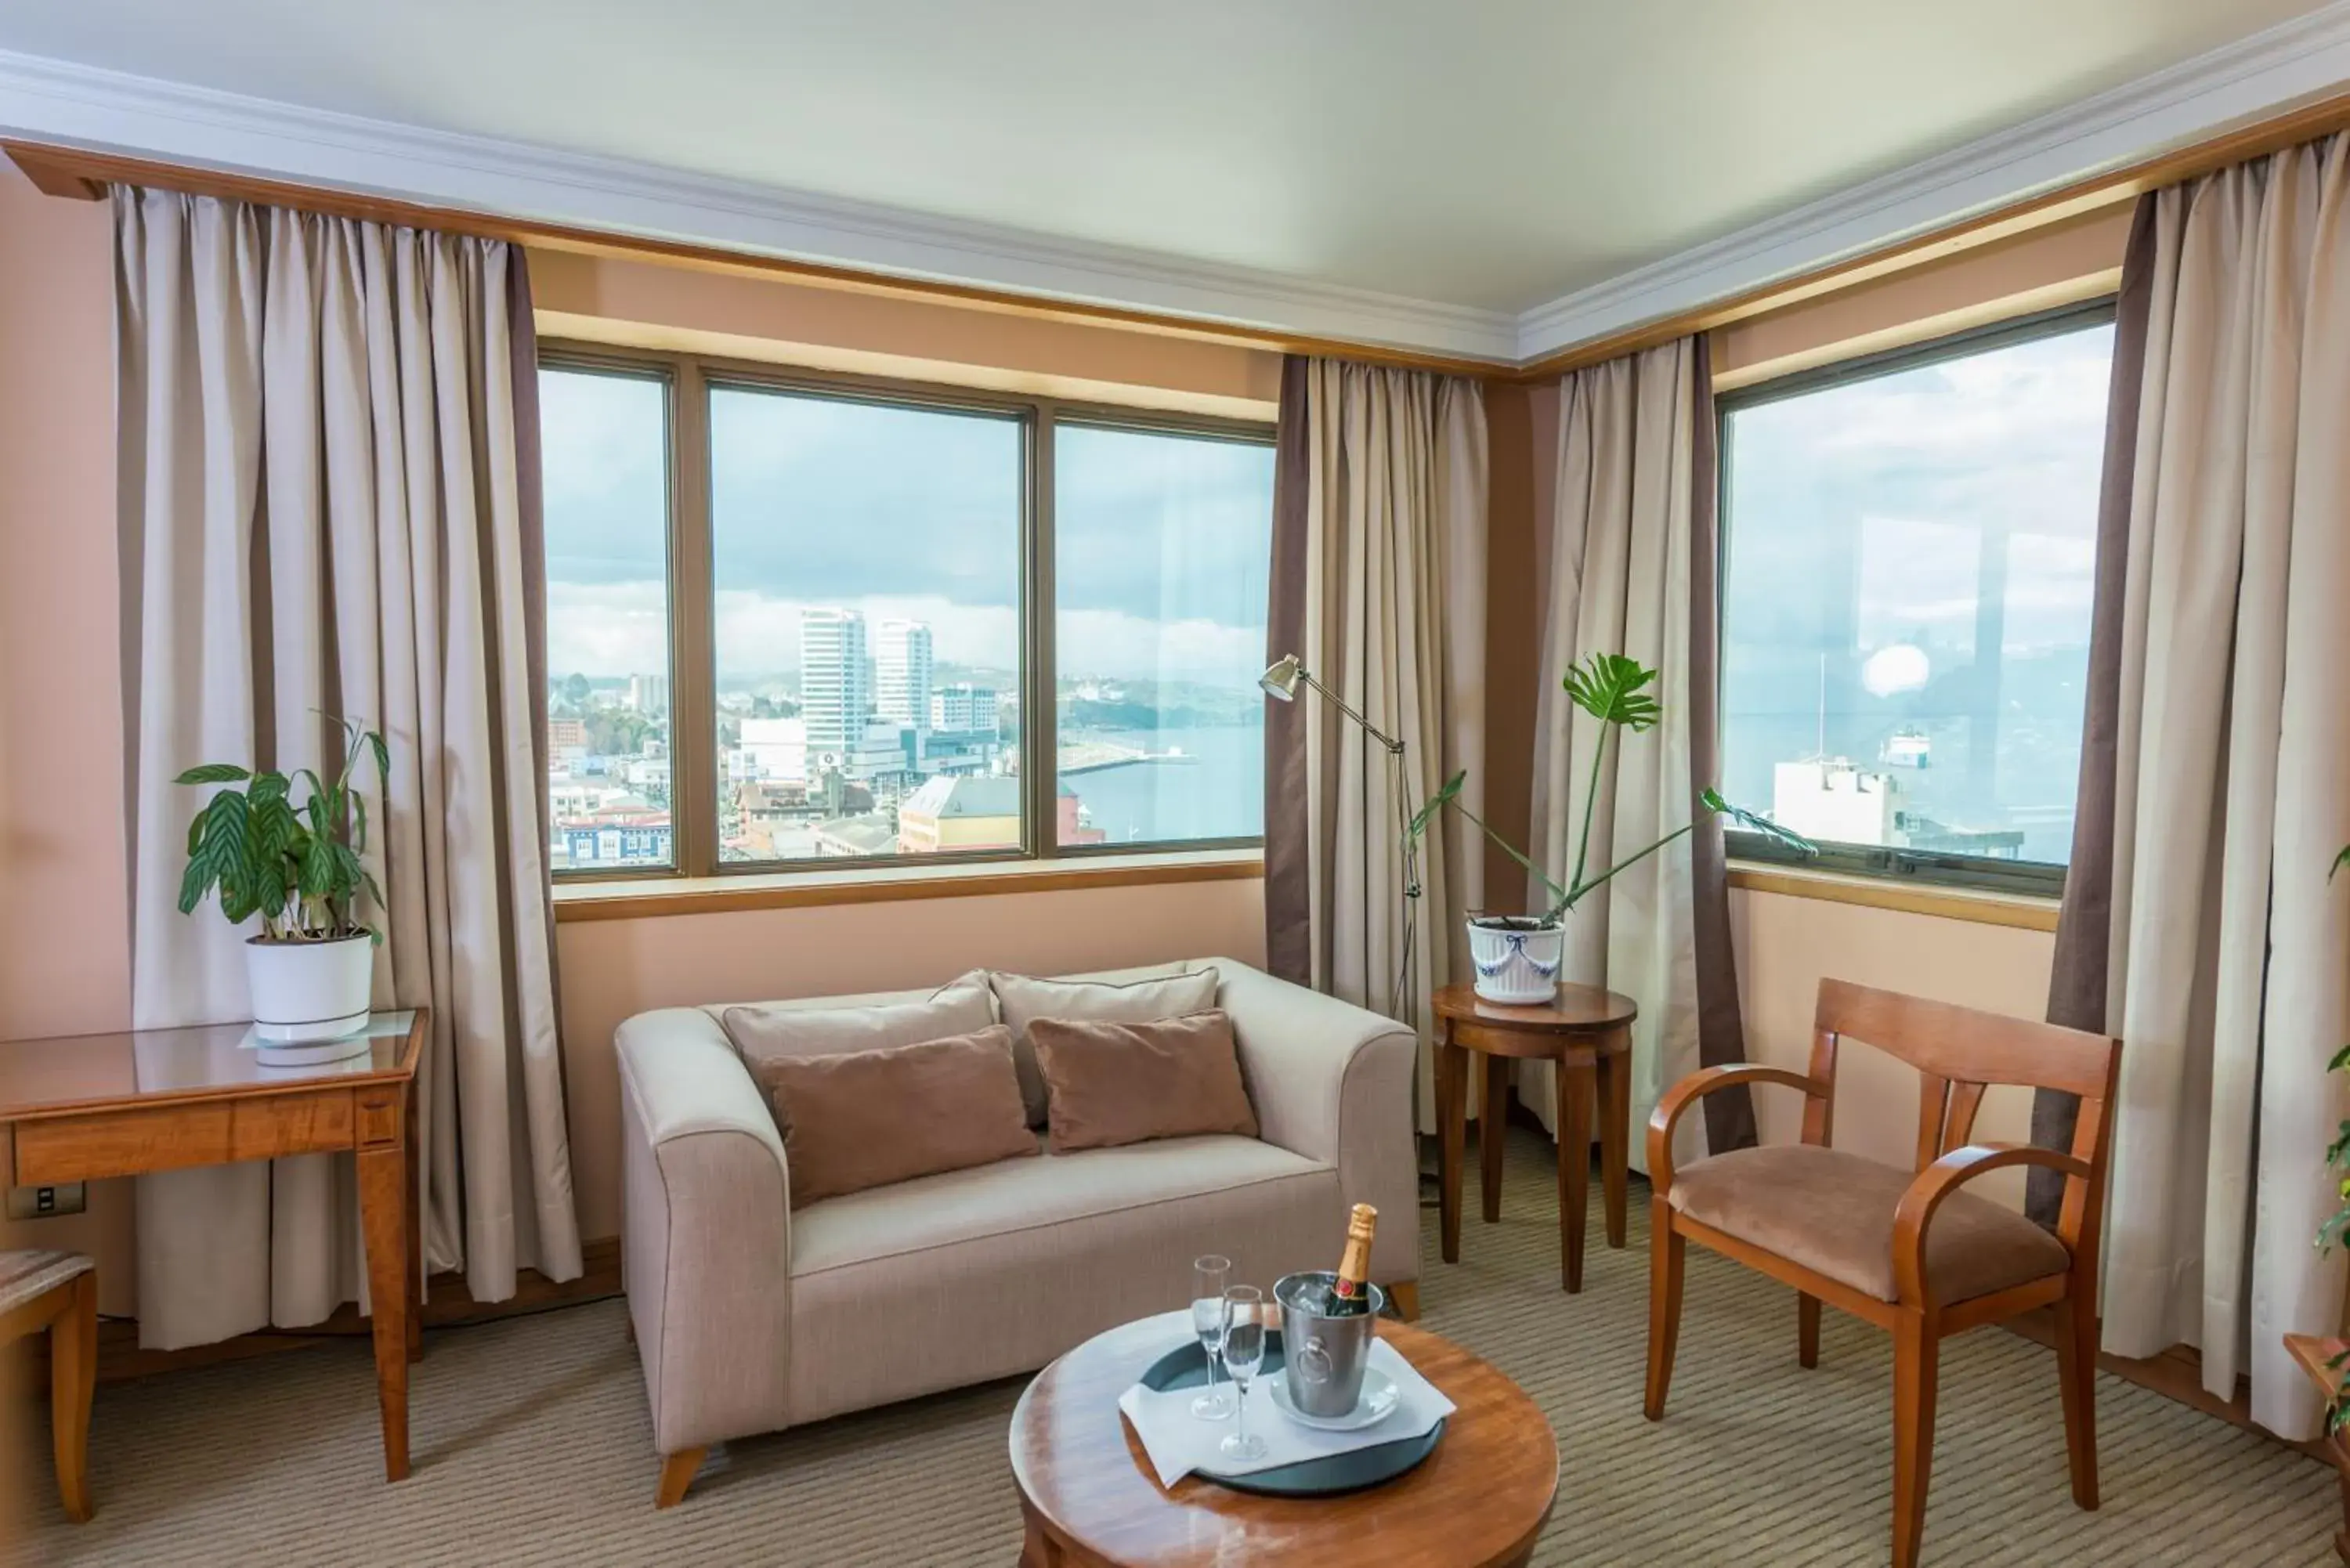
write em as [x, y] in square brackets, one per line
[305, 992]
[1517, 967]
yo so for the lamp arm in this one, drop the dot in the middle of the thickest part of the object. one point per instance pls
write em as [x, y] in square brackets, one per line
[1381, 736]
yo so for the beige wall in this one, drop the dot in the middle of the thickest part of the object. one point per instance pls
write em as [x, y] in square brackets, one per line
[64, 922]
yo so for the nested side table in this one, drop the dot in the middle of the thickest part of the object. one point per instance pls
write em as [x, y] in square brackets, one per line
[1587, 1031]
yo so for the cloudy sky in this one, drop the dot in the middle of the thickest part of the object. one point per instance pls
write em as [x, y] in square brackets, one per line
[1162, 543]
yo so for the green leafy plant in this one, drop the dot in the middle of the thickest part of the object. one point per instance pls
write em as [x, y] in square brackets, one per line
[2337, 1159]
[297, 864]
[1612, 688]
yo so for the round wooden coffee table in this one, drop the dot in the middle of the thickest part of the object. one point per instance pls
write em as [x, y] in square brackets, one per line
[1090, 1499]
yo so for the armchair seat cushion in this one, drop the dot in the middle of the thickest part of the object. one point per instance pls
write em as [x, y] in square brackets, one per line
[1832, 1212]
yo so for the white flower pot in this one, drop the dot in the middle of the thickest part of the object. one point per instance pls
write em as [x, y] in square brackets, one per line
[305, 992]
[1519, 967]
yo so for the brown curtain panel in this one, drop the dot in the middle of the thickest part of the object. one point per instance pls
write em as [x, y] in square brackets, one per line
[1721, 1025]
[2078, 985]
[1288, 901]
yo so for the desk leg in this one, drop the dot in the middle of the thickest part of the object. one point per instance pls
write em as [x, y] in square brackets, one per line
[1451, 1118]
[1614, 1134]
[1575, 1093]
[386, 1183]
[1493, 1134]
[413, 1188]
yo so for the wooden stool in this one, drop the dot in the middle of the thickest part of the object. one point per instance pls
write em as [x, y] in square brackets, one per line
[1587, 1032]
[59, 1292]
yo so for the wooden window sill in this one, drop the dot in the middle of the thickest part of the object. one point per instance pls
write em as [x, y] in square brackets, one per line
[1908, 897]
[645, 898]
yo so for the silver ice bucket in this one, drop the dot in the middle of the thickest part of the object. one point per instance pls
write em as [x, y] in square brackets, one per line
[1324, 1356]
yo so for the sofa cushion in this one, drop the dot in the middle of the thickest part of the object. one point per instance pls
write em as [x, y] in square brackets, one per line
[1833, 1213]
[1110, 1083]
[769, 1033]
[869, 1118]
[1020, 1000]
[949, 1280]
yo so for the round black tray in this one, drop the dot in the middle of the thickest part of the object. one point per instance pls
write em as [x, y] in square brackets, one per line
[1186, 1366]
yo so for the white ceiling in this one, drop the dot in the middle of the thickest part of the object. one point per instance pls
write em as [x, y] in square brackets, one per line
[1489, 155]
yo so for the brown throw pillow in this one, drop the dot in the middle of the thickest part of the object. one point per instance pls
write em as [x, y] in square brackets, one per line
[1020, 1000]
[871, 1117]
[1108, 1083]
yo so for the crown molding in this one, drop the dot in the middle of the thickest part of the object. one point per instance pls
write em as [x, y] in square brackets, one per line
[2194, 99]
[109, 111]
[113, 113]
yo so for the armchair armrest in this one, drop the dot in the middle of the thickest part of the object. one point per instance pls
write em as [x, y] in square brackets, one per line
[1695, 1087]
[1944, 1177]
[1333, 1082]
[706, 1233]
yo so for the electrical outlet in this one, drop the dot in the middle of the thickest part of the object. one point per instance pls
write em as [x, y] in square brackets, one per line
[46, 1202]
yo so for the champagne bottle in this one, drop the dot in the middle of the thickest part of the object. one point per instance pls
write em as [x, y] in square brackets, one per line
[1350, 1293]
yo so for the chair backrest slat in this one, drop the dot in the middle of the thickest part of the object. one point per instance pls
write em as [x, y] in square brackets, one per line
[1960, 1129]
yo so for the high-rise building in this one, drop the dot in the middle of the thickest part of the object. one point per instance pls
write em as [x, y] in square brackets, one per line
[648, 694]
[903, 674]
[963, 706]
[834, 696]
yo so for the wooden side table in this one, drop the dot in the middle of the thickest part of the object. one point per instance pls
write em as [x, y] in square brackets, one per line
[1587, 1032]
[81, 1107]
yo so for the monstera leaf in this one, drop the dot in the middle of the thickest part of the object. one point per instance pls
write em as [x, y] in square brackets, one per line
[1610, 687]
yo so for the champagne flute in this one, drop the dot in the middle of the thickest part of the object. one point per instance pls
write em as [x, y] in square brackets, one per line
[1210, 1275]
[1243, 1354]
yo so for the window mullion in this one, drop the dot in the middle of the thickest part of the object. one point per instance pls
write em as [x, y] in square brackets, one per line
[694, 727]
[1040, 719]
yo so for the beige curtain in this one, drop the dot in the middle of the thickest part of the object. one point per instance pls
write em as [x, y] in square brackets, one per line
[328, 494]
[1380, 588]
[1631, 571]
[2226, 965]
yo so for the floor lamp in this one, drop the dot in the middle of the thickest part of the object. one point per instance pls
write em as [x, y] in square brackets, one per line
[1281, 682]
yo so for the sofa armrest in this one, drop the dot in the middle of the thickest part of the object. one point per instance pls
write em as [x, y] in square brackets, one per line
[707, 1247]
[1333, 1082]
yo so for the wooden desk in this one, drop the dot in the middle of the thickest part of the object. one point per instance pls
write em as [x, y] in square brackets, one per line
[1090, 1498]
[1587, 1032]
[84, 1107]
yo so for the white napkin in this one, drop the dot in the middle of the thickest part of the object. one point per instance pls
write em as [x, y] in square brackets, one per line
[1179, 1442]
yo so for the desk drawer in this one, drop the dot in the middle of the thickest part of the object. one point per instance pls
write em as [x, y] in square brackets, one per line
[168, 1138]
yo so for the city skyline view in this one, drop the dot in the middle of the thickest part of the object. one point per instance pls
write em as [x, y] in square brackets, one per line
[866, 563]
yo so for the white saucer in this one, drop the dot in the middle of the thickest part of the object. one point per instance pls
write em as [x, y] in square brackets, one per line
[1378, 1402]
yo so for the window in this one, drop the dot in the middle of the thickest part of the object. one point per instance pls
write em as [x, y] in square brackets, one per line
[605, 440]
[876, 586]
[1909, 559]
[1162, 545]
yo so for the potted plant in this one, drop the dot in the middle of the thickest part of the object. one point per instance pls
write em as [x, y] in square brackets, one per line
[1517, 957]
[296, 864]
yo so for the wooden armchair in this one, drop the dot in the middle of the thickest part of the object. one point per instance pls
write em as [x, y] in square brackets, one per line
[1908, 1251]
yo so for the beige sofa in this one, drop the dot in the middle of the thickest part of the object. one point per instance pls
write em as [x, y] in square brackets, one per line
[750, 1317]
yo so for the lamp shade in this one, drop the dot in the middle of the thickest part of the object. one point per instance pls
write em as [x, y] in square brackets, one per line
[1281, 681]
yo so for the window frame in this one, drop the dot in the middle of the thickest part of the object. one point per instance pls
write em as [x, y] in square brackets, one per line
[690, 378]
[1981, 872]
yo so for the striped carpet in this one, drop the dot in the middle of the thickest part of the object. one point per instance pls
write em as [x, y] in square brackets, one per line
[533, 1448]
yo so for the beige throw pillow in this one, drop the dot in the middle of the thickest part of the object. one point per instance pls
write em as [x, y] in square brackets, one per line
[873, 1117]
[1023, 1000]
[771, 1033]
[1113, 1084]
